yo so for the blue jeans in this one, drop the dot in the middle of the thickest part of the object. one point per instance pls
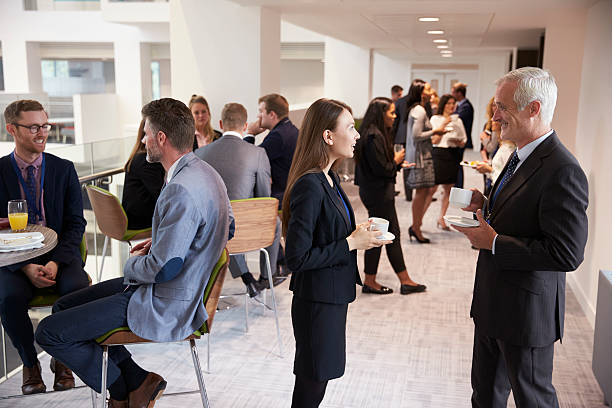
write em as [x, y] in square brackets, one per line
[16, 291]
[78, 319]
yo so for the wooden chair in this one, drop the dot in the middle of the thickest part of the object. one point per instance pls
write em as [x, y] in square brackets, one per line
[255, 220]
[112, 220]
[123, 335]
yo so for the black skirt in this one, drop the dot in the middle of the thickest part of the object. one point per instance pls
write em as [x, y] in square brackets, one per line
[446, 164]
[320, 339]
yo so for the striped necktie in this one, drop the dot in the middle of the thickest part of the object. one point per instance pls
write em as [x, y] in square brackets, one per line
[31, 194]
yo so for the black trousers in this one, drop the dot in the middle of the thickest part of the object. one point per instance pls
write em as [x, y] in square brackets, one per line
[16, 291]
[498, 367]
[383, 206]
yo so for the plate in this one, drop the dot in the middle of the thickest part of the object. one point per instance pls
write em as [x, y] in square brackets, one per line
[22, 248]
[387, 236]
[461, 221]
[18, 240]
[467, 164]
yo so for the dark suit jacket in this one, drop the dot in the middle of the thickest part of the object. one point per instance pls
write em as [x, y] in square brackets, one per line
[540, 216]
[280, 146]
[466, 113]
[400, 125]
[62, 201]
[143, 183]
[316, 251]
[375, 170]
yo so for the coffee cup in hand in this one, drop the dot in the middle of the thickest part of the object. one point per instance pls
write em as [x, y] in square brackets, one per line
[460, 198]
[379, 224]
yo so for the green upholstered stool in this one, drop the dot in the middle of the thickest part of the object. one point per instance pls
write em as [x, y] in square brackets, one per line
[112, 220]
[123, 335]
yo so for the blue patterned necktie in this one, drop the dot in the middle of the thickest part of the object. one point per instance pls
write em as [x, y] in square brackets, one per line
[31, 194]
[514, 161]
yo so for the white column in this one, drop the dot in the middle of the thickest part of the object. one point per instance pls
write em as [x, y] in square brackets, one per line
[21, 65]
[145, 73]
[128, 84]
[225, 52]
[563, 51]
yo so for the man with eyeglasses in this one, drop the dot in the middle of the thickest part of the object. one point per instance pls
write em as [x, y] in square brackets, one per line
[52, 191]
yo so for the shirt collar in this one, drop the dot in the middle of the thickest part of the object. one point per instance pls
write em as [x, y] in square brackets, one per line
[524, 152]
[233, 133]
[172, 169]
[22, 164]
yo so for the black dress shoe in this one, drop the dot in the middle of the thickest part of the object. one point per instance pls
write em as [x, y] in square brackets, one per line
[408, 289]
[281, 271]
[382, 291]
[252, 289]
[263, 283]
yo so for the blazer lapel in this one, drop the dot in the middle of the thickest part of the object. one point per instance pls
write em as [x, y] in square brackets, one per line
[335, 198]
[523, 173]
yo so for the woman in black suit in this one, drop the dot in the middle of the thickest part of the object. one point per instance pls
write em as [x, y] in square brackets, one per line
[143, 183]
[375, 168]
[321, 239]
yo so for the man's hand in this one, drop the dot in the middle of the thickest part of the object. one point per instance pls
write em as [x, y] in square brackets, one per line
[50, 270]
[254, 128]
[37, 275]
[142, 248]
[482, 236]
[477, 201]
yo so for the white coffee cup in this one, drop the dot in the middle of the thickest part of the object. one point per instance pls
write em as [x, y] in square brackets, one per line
[379, 224]
[460, 198]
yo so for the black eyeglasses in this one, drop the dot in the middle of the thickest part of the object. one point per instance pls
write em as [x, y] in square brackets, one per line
[35, 128]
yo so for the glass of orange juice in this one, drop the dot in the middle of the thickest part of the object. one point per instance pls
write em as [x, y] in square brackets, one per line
[18, 215]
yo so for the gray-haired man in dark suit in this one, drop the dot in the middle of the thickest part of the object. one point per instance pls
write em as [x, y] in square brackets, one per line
[533, 229]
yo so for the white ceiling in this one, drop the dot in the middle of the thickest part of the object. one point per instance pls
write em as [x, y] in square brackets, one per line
[472, 27]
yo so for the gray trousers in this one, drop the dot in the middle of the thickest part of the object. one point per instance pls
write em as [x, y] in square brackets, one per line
[238, 265]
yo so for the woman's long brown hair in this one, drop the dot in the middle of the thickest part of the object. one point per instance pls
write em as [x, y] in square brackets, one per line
[139, 147]
[311, 152]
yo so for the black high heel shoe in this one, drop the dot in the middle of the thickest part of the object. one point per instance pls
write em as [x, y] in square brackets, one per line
[411, 234]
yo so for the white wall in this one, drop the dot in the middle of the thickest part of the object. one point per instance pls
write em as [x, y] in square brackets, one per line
[347, 70]
[301, 81]
[96, 117]
[389, 72]
[593, 143]
[224, 65]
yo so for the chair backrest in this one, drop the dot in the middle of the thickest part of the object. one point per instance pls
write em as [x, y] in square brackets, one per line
[213, 289]
[109, 213]
[255, 220]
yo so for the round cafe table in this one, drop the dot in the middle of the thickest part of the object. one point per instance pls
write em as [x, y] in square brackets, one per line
[49, 242]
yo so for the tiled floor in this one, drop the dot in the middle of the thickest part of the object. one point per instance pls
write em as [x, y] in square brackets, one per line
[403, 351]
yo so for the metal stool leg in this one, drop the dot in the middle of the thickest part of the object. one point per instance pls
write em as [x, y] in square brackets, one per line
[208, 352]
[4, 353]
[104, 374]
[246, 312]
[196, 365]
[278, 335]
[106, 239]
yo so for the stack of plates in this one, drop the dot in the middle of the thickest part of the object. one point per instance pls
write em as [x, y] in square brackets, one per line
[20, 241]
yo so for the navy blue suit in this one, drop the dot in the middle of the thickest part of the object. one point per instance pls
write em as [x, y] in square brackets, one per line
[63, 206]
[466, 114]
[280, 145]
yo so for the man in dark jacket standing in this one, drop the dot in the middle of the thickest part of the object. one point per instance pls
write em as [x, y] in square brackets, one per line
[465, 110]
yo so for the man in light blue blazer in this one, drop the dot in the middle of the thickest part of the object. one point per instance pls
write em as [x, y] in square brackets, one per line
[160, 297]
[245, 169]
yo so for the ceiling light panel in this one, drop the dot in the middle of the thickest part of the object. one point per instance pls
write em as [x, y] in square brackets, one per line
[429, 19]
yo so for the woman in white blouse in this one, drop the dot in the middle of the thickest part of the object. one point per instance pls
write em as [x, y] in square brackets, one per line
[501, 157]
[447, 153]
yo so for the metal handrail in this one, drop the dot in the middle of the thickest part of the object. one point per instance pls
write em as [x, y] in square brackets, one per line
[105, 173]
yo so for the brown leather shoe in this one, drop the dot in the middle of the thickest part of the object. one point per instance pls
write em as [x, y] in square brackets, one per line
[149, 391]
[32, 380]
[117, 404]
[64, 380]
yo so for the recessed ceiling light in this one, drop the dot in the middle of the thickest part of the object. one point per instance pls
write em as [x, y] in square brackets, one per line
[439, 32]
[442, 46]
[446, 52]
[429, 19]
[446, 55]
[440, 41]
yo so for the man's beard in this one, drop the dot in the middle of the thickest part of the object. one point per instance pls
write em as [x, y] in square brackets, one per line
[153, 155]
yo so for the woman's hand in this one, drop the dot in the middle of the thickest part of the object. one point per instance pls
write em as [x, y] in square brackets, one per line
[407, 165]
[484, 168]
[363, 238]
[399, 156]
[435, 139]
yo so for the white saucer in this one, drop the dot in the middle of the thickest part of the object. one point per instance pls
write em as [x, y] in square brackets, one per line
[22, 248]
[461, 221]
[387, 236]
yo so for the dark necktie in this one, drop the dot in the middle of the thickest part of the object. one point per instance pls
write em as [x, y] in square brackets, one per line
[514, 161]
[31, 194]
